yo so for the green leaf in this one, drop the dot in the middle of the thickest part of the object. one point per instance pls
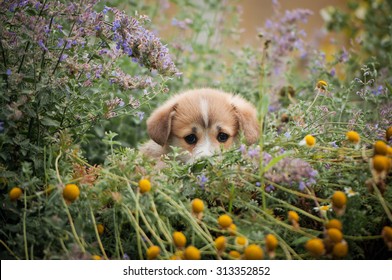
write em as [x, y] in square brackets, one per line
[49, 122]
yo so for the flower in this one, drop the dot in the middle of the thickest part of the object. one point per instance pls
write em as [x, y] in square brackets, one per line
[220, 243]
[202, 180]
[339, 199]
[271, 242]
[335, 235]
[225, 221]
[387, 233]
[197, 205]
[8, 72]
[144, 185]
[380, 148]
[253, 252]
[233, 229]
[321, 85]
[380, 163]
[100, 229]
[323, 208]
[293, 216]
[308, 140]
[388, 133]
[349, 192]
[15, 193]
[315, 247]
[241, 241]
[192, 253]
[96, 257]
[179, 239]
[334, 223]
[234, 254]
[71, 192]
[153, 252]
[340, 249]
[353, 137]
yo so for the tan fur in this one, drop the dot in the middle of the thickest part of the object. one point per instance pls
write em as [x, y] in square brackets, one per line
[183, 115]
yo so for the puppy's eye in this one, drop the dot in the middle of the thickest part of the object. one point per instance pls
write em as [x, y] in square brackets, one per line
[191, 139]
[222, 137]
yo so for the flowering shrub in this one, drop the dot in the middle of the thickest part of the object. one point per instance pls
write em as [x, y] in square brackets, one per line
[77, 80]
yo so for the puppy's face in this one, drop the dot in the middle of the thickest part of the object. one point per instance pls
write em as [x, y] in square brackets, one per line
[202, 122]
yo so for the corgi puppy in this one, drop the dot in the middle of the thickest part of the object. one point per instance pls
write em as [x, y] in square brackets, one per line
[201, 122]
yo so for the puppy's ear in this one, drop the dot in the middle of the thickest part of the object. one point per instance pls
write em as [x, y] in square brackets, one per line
[159, 123]
[247, 118]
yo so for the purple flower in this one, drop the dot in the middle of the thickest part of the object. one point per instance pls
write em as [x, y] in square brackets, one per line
[63, 57]
[258, 184]
[269, 188]
[60, 42]
[254, 153]
[106, 9]
[8, 72]
[301, 186]
[242, 149]
[140, 115]
[287, 135]
[42, 45]
[1, 127]
[202, 180]
[116, 25]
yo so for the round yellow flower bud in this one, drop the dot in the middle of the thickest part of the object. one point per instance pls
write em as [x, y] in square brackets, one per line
[353, 137]
[380, 148]
[253, 252]
[234, 254]
[310, 140]
[233, 229]
[220, 243]
[15, 193]
[315, 246]
[241, 241]
[179, 239]
[153, 252]
[387, 233]
[144, 185]
[335, 235]
[334, 223]
[96, 257]
[225, 221]
[71, 192]
[100, 229]
[381, 163]
[340, 250]
[293, 216]
[339, 199]
[388, 133]
[197, 205]
[192, 253]
[271, 242]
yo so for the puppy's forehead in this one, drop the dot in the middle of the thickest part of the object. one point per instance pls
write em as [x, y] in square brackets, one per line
[204, 109]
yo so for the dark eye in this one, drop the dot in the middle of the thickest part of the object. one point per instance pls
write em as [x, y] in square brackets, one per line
[191, 139]
[222, 137]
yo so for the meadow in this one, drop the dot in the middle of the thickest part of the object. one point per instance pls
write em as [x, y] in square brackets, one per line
[79, 78]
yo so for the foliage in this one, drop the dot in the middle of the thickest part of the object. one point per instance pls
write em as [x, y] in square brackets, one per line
[78, 78]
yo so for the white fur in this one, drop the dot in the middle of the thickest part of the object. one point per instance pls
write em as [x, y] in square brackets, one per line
[204, 110]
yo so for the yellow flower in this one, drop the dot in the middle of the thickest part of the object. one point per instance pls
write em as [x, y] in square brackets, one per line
[388, 133]
[220, 243]
[153, 252]
[323, 208]
[339, 199]
[353, 137]
[192, 253]
[381, 163]
[225, 221]
[335, 235]
[321, 85]
[349, 192]
[241, 241]
[71, 192]
[380, 148]
[308, 140]
[253, 252]
[234, 254]
[334, 223]
[315, 246]
[100, 229]
[144, 185]
[15, 193]
[179, 239]
[293, 216]
[387, 233]
[233, 229]
[197, 205]
[96, 257]
[271, 242]
[340, 249]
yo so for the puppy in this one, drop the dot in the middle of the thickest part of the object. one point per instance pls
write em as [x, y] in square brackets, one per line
[201, 122]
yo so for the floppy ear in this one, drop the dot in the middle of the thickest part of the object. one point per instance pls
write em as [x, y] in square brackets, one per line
[247, 118]
[159, 123]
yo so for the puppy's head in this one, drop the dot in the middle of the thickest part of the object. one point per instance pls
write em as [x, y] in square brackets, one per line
[202, 122]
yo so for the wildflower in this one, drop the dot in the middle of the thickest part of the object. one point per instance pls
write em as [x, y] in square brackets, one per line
[71, 192]
[340, 249]
[192, 253]
[380, 148]
[380, 163]
[315, 247]
[308, 140]
[253, 252]
[293, 216]
[100, 229]
[225, 221]
[8, 72]
[339, 199]
[140, 115]
[234, 254]
[202, 180]
[1, 126]
[335, 235]
[197, 206]
[388, 133]
[233, 229]
[353, 137]
[96, 257]
[241, 241]
[144, 185]
[271, 242]
[321, 85]
[387, 236]
[153, 252]
[15, 193]
[179, 239]
[334, 223]
[349, 192]
[220, 243]
[323, 209]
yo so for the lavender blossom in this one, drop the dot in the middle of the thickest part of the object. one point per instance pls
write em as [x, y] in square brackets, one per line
[202, 180]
